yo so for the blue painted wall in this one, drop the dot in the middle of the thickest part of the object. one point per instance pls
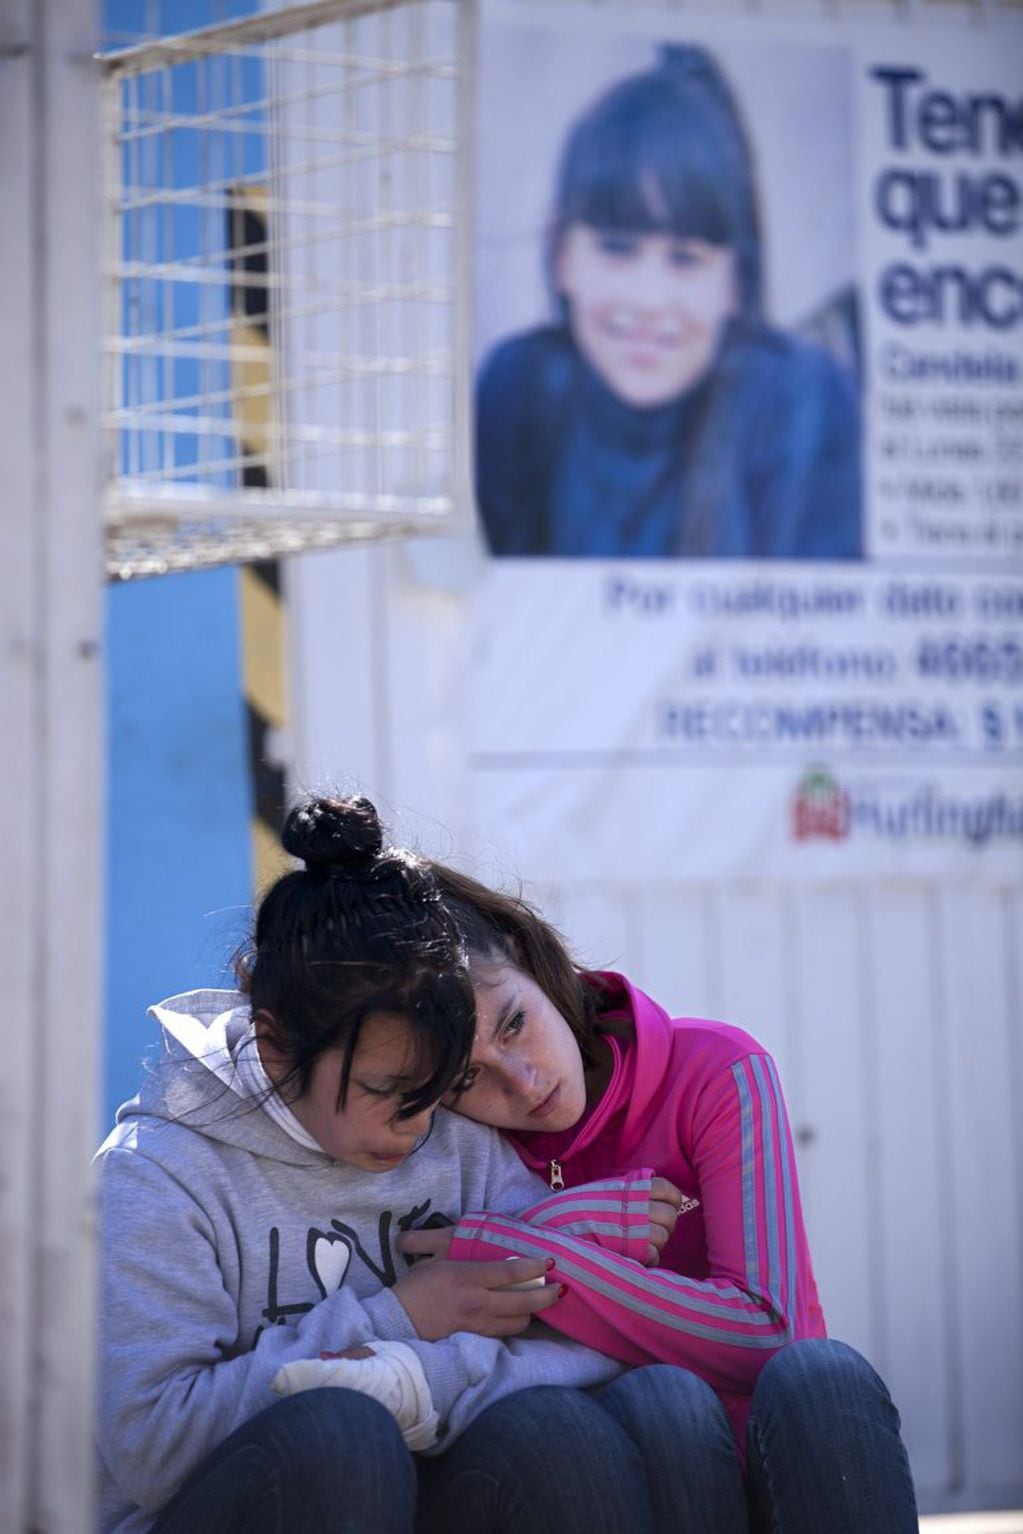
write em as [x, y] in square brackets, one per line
[179, 872]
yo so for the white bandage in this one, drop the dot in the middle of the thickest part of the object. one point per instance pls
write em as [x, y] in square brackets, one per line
[393, 1376]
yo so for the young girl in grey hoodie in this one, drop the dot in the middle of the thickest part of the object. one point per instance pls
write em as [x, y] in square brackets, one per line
[251, 1199]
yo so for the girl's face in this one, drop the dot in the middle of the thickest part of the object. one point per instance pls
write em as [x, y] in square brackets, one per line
[365, 1131]
[646, 310]
[526, 1069]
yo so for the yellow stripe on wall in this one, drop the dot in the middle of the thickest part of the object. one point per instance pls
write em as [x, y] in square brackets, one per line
[263, 649]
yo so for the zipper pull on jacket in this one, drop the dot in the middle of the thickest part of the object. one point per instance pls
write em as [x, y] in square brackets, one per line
[555, 1178]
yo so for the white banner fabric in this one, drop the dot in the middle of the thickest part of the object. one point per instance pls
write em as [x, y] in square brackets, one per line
[656, 696]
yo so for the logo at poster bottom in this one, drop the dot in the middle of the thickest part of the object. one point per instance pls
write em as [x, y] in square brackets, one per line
[821, 808]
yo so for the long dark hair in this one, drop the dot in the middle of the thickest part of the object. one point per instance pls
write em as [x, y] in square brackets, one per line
[664, 151]
[360, 930]
[499, 928]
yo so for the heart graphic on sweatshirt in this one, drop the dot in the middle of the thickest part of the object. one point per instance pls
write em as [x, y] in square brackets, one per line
[328, 1255]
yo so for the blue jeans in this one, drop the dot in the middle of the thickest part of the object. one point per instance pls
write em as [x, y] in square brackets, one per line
[541, 1461]
[547, 1460]
[687, 1446]
[823, 1446]
[323, 1462]
[651, 1451]
[824, 1454]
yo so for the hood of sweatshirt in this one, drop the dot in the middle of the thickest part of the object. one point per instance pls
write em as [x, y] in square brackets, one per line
[196, 1079]
[640, 1075]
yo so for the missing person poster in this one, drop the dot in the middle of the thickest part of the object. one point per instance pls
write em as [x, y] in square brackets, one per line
[749, 443]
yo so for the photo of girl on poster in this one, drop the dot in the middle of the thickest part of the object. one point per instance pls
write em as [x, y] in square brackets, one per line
[657, 413]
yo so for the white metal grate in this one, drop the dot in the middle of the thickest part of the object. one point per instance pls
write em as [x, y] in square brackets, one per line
[286, 293]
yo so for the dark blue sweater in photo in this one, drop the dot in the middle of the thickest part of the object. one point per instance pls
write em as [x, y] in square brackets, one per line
[758, 460]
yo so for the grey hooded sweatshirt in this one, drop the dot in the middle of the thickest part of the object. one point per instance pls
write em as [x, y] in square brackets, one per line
[228, 1250]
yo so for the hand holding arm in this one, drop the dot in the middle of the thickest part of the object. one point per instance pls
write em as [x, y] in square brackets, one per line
[441, 1297]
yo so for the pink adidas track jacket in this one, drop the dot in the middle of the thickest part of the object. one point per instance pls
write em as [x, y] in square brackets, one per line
[700, 1103]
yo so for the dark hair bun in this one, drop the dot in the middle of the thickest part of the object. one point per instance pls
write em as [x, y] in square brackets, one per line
[334, 833]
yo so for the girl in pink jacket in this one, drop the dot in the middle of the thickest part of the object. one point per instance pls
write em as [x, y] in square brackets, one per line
[591, 1079]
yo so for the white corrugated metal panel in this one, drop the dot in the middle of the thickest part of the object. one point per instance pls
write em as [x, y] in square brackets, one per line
[893, 1012]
